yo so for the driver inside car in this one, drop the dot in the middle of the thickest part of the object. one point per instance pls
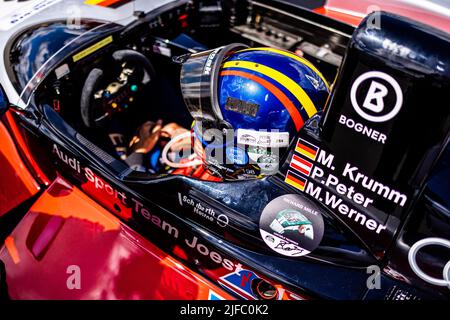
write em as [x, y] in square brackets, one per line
[145, 148]
[247, 104]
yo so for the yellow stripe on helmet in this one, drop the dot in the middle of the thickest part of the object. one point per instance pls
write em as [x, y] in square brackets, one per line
[285, 81]
[293, 56]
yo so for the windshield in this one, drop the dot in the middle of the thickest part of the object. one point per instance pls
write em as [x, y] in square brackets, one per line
[35, 47]
[63, 28]
[71, 45]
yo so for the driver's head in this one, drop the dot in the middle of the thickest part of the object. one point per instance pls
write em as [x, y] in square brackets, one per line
[248, 105]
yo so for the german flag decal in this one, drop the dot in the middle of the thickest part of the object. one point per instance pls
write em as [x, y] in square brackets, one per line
[306, 149]
[107, 3]
[295, 180]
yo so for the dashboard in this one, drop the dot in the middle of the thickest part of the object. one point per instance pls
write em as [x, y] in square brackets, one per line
[319, 41]
[256, 23]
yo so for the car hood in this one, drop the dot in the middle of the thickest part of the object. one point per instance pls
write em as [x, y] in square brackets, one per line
[435, 13]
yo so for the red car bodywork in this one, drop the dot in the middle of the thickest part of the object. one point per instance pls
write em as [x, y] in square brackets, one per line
[64, 228]
[17, 184]
[71, 230]
[352, 12]
[66, 232]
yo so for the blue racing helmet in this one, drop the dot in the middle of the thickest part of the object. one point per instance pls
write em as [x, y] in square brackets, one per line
[248, 104]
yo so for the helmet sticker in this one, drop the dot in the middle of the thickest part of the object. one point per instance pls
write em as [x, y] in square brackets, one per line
[291, 225]
[264, 139]
[237, 156]
[242, 107]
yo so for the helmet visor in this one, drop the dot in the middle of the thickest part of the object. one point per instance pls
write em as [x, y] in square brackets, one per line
[199, 81]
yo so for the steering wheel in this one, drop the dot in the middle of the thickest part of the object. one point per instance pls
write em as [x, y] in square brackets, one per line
[108, 92]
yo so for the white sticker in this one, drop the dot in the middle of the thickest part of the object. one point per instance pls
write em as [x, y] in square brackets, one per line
[24, 12]
[291, 225]
[62, 71]
[263, 139]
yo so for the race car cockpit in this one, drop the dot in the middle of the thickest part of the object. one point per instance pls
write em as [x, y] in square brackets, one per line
[102, 105]
[127, 79]
[106, 96]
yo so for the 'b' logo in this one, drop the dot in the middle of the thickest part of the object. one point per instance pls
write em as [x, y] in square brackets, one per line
[376, 96]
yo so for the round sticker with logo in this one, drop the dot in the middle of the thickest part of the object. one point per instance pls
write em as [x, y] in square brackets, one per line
[292, 225]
